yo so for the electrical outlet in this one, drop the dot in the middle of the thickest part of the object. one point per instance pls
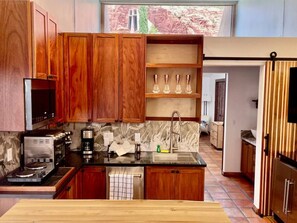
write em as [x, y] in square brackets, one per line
[137, 138]
[9, 154]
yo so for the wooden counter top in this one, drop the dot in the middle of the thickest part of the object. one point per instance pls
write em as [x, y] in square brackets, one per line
[41, 211]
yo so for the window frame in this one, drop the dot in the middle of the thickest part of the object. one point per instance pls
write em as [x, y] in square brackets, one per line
[230, 3]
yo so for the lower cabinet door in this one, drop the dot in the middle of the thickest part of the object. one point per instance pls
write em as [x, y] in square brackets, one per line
[191, 184]
[93, 182]
[281, 172]
[160, 183]
[69, 191]
[174, 183]
[292, 215]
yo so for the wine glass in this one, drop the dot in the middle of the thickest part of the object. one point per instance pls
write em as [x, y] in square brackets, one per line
[166, 89]
[188, 86]
[178, 89]
[156, 88]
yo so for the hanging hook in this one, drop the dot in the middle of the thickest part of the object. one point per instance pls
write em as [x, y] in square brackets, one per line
[273, 56]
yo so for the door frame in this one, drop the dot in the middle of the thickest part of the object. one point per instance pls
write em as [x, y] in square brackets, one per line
[260, 114]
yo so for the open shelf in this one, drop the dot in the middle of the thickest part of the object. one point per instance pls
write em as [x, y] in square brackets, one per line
[172, 65]
[153, 95]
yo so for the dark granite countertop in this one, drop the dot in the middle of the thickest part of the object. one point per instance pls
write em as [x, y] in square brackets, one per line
[75, 159]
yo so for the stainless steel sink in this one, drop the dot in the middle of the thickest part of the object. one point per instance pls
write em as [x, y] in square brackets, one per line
[179, 158]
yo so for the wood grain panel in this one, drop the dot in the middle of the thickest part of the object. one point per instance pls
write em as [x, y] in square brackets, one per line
[132, 78]
[191, 184]
[78, 76]
[53, 47]
[159, 183]
[60, 83]
[40, 41]
[93, 183]
[15, 62]
[282, 135]
[105, 77]
[134, 211]
[174, 183]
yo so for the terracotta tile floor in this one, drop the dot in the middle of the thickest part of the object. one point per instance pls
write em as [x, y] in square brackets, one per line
[234, 194]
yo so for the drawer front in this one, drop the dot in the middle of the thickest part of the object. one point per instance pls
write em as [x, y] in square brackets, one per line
[214, 127]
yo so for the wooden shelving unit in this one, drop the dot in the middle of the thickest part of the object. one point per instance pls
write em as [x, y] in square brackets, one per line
[174, 54]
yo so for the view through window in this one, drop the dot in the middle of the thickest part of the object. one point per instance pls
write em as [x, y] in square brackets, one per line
[164, 19]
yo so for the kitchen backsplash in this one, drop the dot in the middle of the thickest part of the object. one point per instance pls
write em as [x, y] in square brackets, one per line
[9, 140]
[151, 132]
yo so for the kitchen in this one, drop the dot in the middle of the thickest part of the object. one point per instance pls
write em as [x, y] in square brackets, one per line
[212, 47]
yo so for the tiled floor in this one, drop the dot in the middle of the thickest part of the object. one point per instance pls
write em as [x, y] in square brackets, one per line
[234, 194]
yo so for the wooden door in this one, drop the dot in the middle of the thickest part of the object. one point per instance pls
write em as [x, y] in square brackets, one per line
[160, 183]
[220, 100]
[105, 77]
[40, 41]
[69, 191]
[93, 183]
[132, 78]
[189, 184]
[279, 136]
[78, 77]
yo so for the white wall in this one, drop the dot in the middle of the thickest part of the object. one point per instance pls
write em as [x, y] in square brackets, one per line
[266, 18]
[74, 15]
[241, 114]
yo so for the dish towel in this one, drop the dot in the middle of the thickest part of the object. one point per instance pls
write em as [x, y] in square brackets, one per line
[120, 186]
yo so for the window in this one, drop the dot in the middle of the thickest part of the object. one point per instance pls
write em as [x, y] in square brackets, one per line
[208, 20]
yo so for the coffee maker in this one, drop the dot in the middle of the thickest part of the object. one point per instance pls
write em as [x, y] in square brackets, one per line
[87, 141]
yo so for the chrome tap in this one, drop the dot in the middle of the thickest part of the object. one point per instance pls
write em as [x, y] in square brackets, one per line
[172, 132]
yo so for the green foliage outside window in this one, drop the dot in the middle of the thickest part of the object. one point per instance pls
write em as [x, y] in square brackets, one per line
[143, 17]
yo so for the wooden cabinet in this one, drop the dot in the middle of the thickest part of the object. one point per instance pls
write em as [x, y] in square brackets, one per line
[132, 78]
[174, 183]
[93, 182]
[248, 152]
[284, 193]
[24, 53]
[217, 134]
[118, 78]
[69, 191]
[78, 77]
[105, 77]
[174, 55]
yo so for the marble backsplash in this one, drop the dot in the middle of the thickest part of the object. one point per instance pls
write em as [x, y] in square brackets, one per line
[9, 140]
[151, 132]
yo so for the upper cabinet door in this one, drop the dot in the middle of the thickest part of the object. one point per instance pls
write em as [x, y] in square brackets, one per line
[132, 78]
[39, 41]
[78, 77]
[105, 77]
[53, 50]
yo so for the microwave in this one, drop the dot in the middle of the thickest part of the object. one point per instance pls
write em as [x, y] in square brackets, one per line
[40, 102]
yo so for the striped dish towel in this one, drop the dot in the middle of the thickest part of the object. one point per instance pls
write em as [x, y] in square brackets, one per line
[120, 186]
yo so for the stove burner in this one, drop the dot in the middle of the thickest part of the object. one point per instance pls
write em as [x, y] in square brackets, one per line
[35, 166]
[25, 174]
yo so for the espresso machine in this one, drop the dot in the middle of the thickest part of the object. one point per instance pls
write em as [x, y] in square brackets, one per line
[87, 141]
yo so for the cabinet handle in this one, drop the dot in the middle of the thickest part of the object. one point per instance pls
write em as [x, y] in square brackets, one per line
[177, 171]
[68, 188]
[289, 183]
[285, 197]
[52, 76]
[172, 171]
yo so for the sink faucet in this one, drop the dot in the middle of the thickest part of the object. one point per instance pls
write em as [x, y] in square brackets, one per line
[172, 132]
